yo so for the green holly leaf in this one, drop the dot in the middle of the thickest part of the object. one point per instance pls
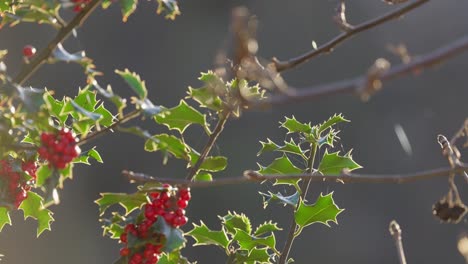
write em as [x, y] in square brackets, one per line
[335, 119]
[168, 143]
[33, 207]
[173, 257]
[4, 217]
[180, 117]
[285, 200]
[107, 118]
[233, 221]
[169, 8]
[118, 101]
[255, 256]
[128, 201]
[267, 147]
[249, 242]
[42, 174]
[88, 114]
[289, 147]
[208, 96]
[128, 8]
[322, 211]
[282, 166]
[55, 108]
[204, 236]
[294, 126]
[267, 227]
[203, 176]
[85, 155]
[334, 164]
[134, 81]
[95, 155]
[174, 236]
[214, 164]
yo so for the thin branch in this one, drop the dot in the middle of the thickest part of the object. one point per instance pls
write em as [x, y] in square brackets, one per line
[124, 119]
[328, 47]
[358, 85]
[63, 33]
[395, 232]
[304, 189]
[209, 145]
[254, 177]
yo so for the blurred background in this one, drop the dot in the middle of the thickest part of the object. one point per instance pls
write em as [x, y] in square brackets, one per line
[169, 55]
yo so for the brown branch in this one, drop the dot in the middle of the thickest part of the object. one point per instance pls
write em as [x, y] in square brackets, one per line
[108, 129]
[358, 85]
[63, 33]
[253, 177]
[209, 145]
[395, 232]
[328, 47]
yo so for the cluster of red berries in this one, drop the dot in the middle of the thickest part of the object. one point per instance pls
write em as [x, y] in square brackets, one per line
[169, 205]
[79, 5]
[29, 51]
[15, 186]
[59, 148]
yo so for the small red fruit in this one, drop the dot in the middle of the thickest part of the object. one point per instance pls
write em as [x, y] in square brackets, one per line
[29, 51]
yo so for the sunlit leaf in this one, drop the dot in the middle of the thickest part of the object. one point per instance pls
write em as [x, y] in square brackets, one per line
[33, 207]
[128, 201]
[233, 221]
[322, 211]
[180, 117]
[334, 164]
[134, 81]
[204, 236]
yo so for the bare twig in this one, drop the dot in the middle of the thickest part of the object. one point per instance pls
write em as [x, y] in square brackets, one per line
[328, 47]
[209, 145]
[357, 85]
[254, 177]
[124, 119]
[395, 231]
[63, 33]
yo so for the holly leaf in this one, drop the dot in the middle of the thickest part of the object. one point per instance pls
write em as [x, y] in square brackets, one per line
[173, 257]
[174, 236]
[282, 166]
[134, 81]
[285, 200]
[128, 7]
[61, 54]
[267, 147]
[322, 211]
[214, 164]
[4, 217]
[33, 207]
[128, 201]
[249, 242]
[168, 143]
[335, 119]
[256, 255]
[169, 8]
[334, 164]
[294, 126]
[180, 117]
[233, 221]
[95, 155]
[204, 236]
[203, 176]
[267, 227]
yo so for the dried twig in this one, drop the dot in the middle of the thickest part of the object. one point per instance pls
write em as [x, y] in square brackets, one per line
[351, 31]
[395, 231]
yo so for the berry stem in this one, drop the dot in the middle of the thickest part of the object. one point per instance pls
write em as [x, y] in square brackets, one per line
[29, 69]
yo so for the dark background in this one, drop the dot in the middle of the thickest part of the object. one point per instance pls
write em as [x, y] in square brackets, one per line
[169, 55]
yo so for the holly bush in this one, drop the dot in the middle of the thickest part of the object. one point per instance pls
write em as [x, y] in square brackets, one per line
[44, 136]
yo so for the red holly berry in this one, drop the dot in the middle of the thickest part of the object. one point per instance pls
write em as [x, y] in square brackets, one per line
[124, 252]
[29, 51]
[59, 148]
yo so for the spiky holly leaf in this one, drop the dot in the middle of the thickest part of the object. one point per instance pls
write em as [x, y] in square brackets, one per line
[42, 174]
[282, 166]
[180, 117]
[267, 227]
[267, 147]
[233, 221]
[55, 108]
[209, 95]
[85, 155]
[294, 126]
[4, 217]
[134, 81]
[204, 236]
[174, 236]
[335, 119]
[169, 8]
[128, 7]
[293, 148]
[168, 143]
[322, 211]
[128, 201]
[248, 242]
[33, 207]
[255, 256]
[173, 257]
[107, 118]
[285, 200]
[334, 164]
[118, 101]
[91, 115]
